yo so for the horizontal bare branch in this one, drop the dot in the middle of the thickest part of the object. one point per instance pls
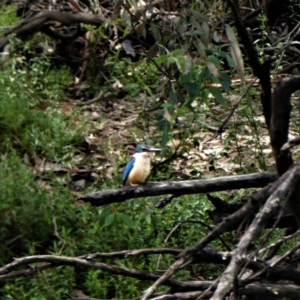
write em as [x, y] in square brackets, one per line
[7, 271]
[128, 253]
[55, 261]
[223, 183]
[257, 289]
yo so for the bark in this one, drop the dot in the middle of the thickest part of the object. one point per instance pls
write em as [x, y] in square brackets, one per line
[224, 183]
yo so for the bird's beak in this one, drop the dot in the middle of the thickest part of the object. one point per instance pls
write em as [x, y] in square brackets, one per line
[154, 150]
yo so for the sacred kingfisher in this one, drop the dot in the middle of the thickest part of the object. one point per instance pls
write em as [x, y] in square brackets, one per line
[138, 168]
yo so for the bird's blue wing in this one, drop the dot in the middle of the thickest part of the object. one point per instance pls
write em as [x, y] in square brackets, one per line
[128, 169]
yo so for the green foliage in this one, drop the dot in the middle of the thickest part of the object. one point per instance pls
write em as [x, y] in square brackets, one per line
[195, 79]
[28, 208]
[261, 43]
[25, 89]
[39, 219]
[8, 17]
[32, 213]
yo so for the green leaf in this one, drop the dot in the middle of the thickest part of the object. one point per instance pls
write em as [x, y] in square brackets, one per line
[161, 59]
[176, 61]
[192, 88]
[178, 52]
[132, 88]
[128, 221]
[201, 47]
[213, 68]
[205, 33]
[160, 119]
[235, 51]
[165, 135]
[103, 216]
[167, 105]
[88, 27]
[226, 80]
[216, 92]
[148, 219]
[140, 80]
[214, 59]
[109, 220]
[183, 110]
[172, 98]
[185, 78]
[102, 34]
[215, 79]
[230, 61]
[204, 95]
[201, 16]
[148, 90]
[204, 75]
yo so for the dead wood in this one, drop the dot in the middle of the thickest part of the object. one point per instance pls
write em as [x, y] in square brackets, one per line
[274, 192]
[225, 209]
[258, 289]
[227, 279]
[264, 279]
[281, 110]
[31, 25]
[290, 144]
[223, 183]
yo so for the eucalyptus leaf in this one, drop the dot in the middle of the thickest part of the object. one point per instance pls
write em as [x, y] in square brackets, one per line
[178, 53]
[235, 52]
[205, 34]
[225, 80]
[104, 214]
[165, 138]
[213, 69]
[216, 92]
[192, 88]
[127, 220]
[109, 220]
[161, 59]
[230, 61]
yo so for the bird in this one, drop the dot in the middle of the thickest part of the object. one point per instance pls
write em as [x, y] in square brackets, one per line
[138, 168]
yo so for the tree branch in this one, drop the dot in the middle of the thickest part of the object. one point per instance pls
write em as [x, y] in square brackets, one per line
[279, 129]
[224, 183]
[238, 257]
[36, 23]
[187, 256]
[259, 289]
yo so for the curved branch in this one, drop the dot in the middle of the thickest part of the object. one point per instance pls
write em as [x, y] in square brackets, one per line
[207, 254]
[36, 23]
[290, 144]
[56, 261]
[57, 35]
[281, 109]
[127, 253]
